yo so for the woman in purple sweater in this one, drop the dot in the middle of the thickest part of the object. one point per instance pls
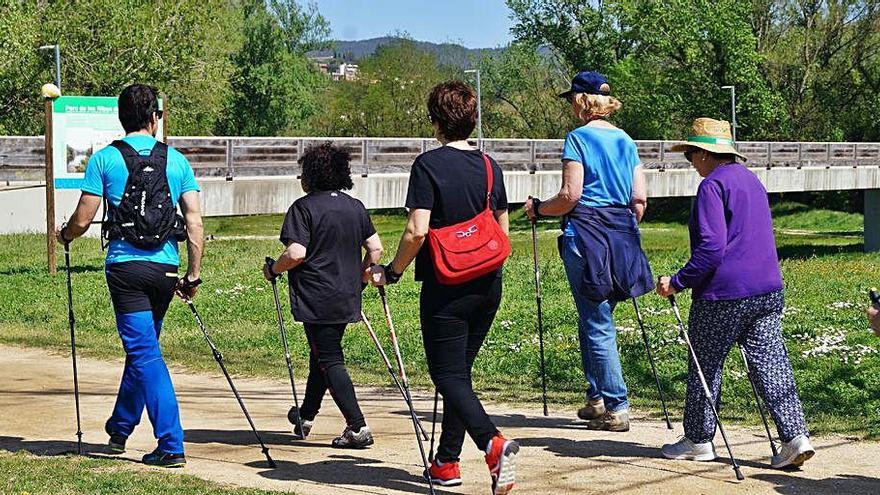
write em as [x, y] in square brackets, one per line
[734, 276]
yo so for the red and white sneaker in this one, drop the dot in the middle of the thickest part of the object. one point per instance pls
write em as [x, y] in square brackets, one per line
[501, 460]
[449, 474]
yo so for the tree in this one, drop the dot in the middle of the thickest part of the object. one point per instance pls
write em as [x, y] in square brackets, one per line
[520, 95]
[666, 61]
[274, 86]
[389, 96]
[824, 58]
[182, 47]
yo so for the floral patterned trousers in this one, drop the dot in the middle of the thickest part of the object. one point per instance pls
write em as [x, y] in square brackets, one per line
[755, 323]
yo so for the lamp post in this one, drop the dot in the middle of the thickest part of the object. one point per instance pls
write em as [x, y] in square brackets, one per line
[57, 49]
[479, 108]
[732, 109]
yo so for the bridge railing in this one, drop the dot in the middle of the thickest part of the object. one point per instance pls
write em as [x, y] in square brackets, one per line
[22, 157]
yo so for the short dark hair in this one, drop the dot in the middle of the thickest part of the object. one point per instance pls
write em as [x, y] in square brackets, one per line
[326, 168]
[137, 104]
[453, 106]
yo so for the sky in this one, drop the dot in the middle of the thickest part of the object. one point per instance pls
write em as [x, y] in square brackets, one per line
[472, 23]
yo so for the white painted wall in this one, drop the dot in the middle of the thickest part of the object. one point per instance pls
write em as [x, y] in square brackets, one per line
[24, 209]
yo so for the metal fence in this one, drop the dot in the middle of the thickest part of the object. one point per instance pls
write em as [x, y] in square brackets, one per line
[22, 158]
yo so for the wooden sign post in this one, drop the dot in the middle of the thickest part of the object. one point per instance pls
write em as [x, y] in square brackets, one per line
[50, 193]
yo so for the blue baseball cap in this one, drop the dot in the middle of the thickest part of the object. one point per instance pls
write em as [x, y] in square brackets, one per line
[590, 82]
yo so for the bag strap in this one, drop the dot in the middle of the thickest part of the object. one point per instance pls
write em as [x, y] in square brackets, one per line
[129, 154]
[489, 182]
[160, 152]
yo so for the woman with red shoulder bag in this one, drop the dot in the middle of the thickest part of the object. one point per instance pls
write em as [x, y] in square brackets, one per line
[457, 234]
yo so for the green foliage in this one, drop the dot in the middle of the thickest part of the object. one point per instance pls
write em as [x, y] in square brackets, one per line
[388, 98]
[182, 47]
[666, 60]
[25, 473]
[518, 97]
[803, 70]
[274, 86]
[825, 271]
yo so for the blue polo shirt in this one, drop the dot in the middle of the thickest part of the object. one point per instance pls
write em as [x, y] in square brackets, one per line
[106, 175]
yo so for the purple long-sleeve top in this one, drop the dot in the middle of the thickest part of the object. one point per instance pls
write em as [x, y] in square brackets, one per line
[733, 251]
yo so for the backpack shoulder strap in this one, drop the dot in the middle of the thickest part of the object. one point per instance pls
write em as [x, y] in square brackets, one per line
[490, 181]
[125, 149]
[160, 152]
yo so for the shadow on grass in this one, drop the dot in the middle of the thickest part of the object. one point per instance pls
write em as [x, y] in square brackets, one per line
[841, 484]
[41, 270]
[54, 447]
[806, 251]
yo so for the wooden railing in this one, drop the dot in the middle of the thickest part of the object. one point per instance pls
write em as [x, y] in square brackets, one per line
[22, 158]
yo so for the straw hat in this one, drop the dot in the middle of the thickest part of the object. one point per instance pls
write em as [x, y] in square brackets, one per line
[711, 135]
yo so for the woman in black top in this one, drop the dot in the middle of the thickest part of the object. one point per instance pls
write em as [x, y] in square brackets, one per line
[325, 232]
[448, 185]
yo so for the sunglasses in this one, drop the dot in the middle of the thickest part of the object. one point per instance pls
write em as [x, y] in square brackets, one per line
[689, 155]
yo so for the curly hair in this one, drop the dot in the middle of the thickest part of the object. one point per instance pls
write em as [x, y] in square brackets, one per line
[452, 105]
[326, 168]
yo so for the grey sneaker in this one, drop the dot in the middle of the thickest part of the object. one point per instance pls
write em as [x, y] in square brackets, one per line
[684, 449]
[293, 416]
[351, 439]
[793, 453]
[611, 421]
[593, 409]
[306, 429]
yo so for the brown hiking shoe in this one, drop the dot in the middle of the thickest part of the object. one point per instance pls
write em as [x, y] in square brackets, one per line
[611, 421]
[593, 409]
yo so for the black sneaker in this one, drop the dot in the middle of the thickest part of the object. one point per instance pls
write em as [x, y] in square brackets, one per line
[117, 441]
[161, 459]
[351, 439]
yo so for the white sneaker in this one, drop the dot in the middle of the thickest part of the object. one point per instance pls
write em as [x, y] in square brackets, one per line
[793, 453]
[684, 449]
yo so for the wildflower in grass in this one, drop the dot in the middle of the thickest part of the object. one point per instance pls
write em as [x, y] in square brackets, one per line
[841, 305]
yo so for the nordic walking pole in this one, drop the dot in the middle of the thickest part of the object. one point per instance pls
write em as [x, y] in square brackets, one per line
[758, 401]
[540, 314]
[72, 322]
[219, 358]
[433, 426]
[387, 363]
[278, 312]
[705, 385]
[651, 360]
[401, 370]
[403, 382]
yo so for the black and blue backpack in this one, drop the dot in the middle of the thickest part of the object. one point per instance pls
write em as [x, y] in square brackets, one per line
[146, 216]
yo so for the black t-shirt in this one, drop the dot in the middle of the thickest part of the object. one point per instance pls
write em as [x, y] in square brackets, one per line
[452, 184]
[326, 287]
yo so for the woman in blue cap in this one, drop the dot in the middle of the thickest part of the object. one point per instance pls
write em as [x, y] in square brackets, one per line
[602, 199]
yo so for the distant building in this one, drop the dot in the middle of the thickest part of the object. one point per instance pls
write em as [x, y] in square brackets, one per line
[338, 71]
[345, 72]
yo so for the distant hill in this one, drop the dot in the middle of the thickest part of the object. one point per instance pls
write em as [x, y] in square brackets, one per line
[446, 53]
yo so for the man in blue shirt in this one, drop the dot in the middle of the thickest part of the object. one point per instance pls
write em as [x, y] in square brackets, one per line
[142, 282]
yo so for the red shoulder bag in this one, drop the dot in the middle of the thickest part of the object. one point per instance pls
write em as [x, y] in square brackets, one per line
[469, 249]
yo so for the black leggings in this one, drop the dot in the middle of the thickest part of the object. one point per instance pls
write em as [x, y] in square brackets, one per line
[455, 321]
[327, 372]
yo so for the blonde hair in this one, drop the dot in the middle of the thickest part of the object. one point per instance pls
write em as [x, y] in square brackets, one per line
[589, 106]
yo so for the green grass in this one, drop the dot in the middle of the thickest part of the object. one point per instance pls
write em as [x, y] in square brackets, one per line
[26, 474]
[826, 275]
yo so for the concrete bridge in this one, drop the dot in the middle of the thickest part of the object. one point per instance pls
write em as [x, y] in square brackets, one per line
[241, 176]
